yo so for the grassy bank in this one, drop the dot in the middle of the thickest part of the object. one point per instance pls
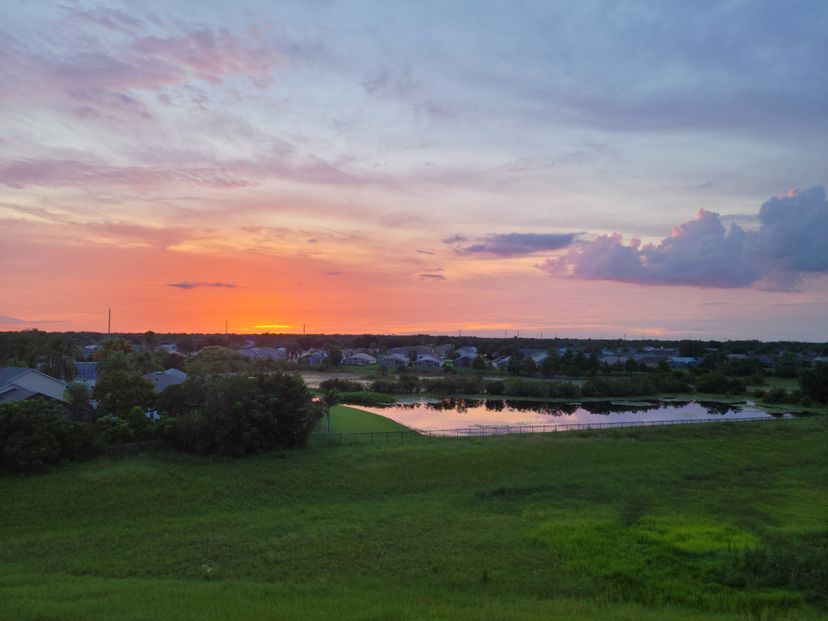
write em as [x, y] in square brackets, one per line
[703, 522]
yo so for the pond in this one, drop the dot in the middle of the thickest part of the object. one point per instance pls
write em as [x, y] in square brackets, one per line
[472, 415]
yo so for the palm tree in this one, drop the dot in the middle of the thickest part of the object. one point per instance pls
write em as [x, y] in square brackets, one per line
[330, 399]
[60, 357]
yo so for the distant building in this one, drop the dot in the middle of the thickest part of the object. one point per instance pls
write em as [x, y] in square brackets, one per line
[682, 362]
[359, 359]
[86, 373]
[418, 350]
[465, 361]
[20, 383]
[314, 357]
[467, 350]
[264, 353]
[427, 362]
[161, 380]
[502, 362]
[393, 360]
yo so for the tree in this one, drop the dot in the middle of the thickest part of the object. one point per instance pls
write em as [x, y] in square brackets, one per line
[60, 358]
[478, 363]
[35, 434]
[814, 382]
[334, 356]
[118, 392]
[215, 359]
[329, 399]
[78, 396]
[238, 415]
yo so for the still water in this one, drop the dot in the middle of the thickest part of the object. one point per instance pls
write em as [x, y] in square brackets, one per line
[466, 413]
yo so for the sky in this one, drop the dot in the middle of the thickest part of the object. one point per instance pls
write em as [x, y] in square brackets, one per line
[590, 169]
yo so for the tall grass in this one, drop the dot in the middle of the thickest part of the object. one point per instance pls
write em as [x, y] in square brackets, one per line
[702, 522]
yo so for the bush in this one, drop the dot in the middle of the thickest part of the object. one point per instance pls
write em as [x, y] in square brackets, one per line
[814, 383]
[342, 385]
[114, 430]
[363, 397]
[777, 395]
[240, 415]
[35, 434]
[713, 383]
[495, 387]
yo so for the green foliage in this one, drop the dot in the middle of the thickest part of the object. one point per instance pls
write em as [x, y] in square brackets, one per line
[479, 363]
[216, 359]
[814, 382]
[364, 397]
[114, 430]
[239, 415]
[78, 396]
[118, 392]
[340, 384]
[35, 434]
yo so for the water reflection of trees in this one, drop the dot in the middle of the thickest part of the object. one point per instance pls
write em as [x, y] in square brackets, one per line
[716, 407]
[459, 404]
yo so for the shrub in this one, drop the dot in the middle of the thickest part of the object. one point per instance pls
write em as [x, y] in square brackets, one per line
[342, 385]
[777, 395]
[364, 397]
[713, 383]
[239, 415]
[814, 382]
[35, 434]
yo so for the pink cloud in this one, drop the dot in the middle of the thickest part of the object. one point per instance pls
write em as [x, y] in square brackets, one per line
[701, 252]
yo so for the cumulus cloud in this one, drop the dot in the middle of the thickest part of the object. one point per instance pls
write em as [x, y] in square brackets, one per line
[790, 242]
[516, 244]
[195, 284]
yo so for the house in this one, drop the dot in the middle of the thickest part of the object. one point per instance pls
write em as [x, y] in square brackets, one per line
[264, 353]
[170, 348]
[682, 362]
[427, 362]
[465, 361]
[393, 360]
[86, 373]
[502, 362]
[359, 359]
[441, 351]
[419, 350]
[467, 350]
[19, 383]
[161, 380]
[314, 357]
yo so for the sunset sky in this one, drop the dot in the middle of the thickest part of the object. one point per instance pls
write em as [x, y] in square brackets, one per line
[572, 168]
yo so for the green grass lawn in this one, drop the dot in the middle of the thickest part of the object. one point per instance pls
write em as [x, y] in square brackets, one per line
[347, 419]
[707, 522]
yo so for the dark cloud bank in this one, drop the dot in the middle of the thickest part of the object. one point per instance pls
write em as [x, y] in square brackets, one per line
[791, 242]
[513, 244]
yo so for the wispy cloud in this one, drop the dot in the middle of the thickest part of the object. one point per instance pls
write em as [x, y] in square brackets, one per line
[196, 284]
[432, 277]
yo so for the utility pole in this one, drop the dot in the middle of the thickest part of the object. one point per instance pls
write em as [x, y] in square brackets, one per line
[109, 323]
[303, 329]
[225, 327]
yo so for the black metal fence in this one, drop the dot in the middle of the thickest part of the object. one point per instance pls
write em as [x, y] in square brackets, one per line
[337, 438]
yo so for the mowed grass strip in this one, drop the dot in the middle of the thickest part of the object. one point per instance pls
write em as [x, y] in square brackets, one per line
[348, 420]
[652, 523]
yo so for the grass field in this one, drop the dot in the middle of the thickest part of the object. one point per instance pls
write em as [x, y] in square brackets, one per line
[702, 522]
[346, 420]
